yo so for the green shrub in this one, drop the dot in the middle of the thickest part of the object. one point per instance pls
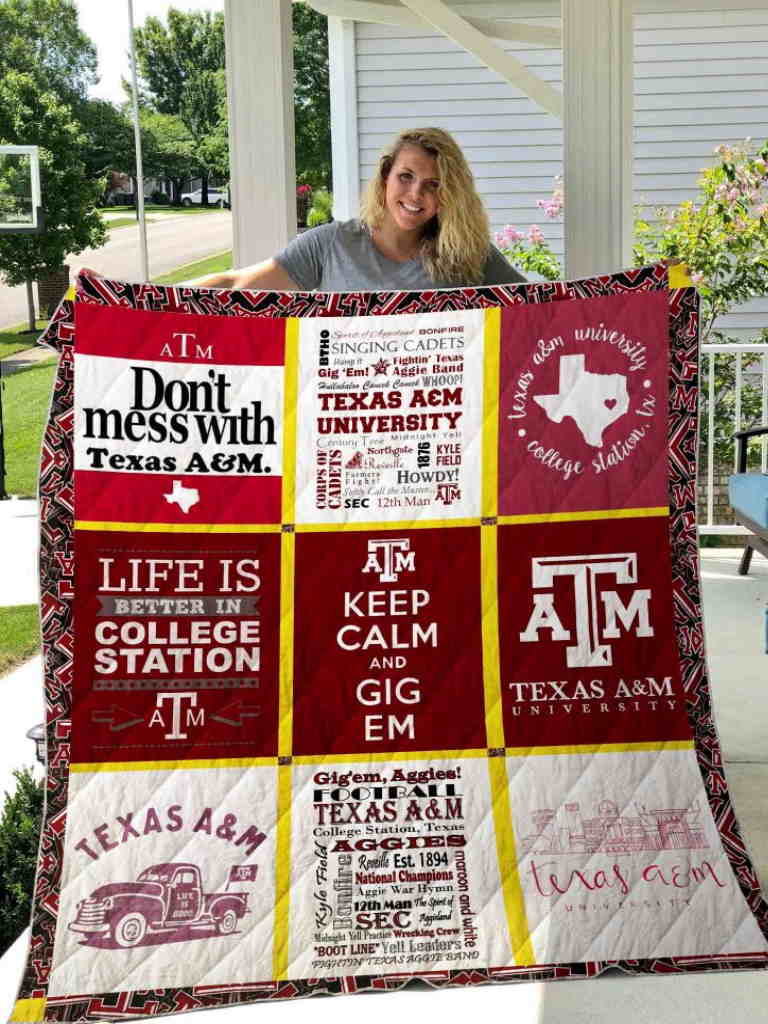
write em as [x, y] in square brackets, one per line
[321, 210]
[20, 825]
[160, 198]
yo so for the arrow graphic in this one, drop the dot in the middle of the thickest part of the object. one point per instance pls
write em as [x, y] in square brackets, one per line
[237, 711]
[116, 718]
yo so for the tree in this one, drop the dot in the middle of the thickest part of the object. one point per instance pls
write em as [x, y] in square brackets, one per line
[311, 101]
[42, 38]
[20, 825]
[109, 135]
[169, 149]
[182, 67]
[182, 72]
[215, 146]
[46, 66]
[168, 56]
[201, 112]
[34, 116]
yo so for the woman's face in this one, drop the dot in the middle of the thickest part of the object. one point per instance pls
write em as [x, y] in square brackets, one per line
[411, 189]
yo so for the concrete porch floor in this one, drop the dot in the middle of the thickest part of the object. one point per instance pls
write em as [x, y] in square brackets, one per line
[735, 637]
[734, 613]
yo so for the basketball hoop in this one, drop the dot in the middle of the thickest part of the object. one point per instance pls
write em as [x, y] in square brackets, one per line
[20, 197]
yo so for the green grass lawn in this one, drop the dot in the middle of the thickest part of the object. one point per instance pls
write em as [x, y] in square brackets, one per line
[126, 222]
[17, 338]
[186, 210]
[19, 635]
[154, 210]
[26, 396]
[210, 265]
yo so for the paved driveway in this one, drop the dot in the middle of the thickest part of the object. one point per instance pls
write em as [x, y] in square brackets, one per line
[172, 241]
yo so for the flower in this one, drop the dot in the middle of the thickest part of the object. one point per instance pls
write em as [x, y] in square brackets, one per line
[535, 235]
[697, 277]
[508, 236]
[553, 206]
[303, 190]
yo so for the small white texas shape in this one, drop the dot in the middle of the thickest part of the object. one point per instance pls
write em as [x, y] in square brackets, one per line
[184, 497]
[592, 400]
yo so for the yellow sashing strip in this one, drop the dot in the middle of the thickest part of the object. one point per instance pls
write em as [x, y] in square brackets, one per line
[290, 408]
[494, 725]
[28, 1011]
[282, 874]
[86, 524]
[491, 411]
[392, 755]
[514, 901]
[679, 276]
[598, 513]
[402, 524]
[287, 566]
[602, 748]
[152, 766]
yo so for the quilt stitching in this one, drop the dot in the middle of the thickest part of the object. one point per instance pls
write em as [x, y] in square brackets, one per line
[57, 574]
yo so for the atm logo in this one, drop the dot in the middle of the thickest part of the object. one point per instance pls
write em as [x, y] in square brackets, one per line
[600, 613]
[389, 557]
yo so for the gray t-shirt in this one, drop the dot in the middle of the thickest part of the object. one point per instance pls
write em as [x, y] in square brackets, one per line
[340, 257]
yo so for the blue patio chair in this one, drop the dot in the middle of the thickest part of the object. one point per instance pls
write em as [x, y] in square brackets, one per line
[748, 494]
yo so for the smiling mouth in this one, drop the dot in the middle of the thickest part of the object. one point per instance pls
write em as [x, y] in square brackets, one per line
[411, 209]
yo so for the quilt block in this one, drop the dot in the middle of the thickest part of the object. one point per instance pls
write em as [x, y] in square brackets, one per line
[373, 648]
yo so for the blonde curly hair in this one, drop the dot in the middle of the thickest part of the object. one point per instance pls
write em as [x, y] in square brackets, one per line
[456, 242]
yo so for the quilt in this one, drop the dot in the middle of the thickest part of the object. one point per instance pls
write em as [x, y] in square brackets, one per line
[373, 648]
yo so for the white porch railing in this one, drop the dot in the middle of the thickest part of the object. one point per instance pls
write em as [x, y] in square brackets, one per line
[756, 366]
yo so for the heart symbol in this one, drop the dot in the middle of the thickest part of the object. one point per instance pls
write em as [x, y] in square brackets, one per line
[609, 402]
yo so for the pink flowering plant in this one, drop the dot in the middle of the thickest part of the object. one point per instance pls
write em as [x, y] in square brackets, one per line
[722, 238]
[529, 250]
[721, 235]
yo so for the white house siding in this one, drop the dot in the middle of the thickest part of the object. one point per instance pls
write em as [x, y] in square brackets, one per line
[701, 78]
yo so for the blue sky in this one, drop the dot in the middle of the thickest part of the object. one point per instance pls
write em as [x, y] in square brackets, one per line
[107, 26]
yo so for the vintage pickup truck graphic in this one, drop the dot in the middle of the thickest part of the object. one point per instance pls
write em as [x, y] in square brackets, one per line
[164, 899]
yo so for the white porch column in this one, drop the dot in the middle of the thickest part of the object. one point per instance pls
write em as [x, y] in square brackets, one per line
[259, 42]
[344, 137]
[597, 90]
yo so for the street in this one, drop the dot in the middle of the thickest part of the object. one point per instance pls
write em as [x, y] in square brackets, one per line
[172, 242]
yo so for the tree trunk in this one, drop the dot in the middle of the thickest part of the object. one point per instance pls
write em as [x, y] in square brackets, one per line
[30, 306]
[204, 186]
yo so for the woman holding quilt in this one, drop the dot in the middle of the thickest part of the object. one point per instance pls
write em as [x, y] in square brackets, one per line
[422, 225]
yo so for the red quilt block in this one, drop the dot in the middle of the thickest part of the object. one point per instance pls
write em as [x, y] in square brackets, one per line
[393, 629]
